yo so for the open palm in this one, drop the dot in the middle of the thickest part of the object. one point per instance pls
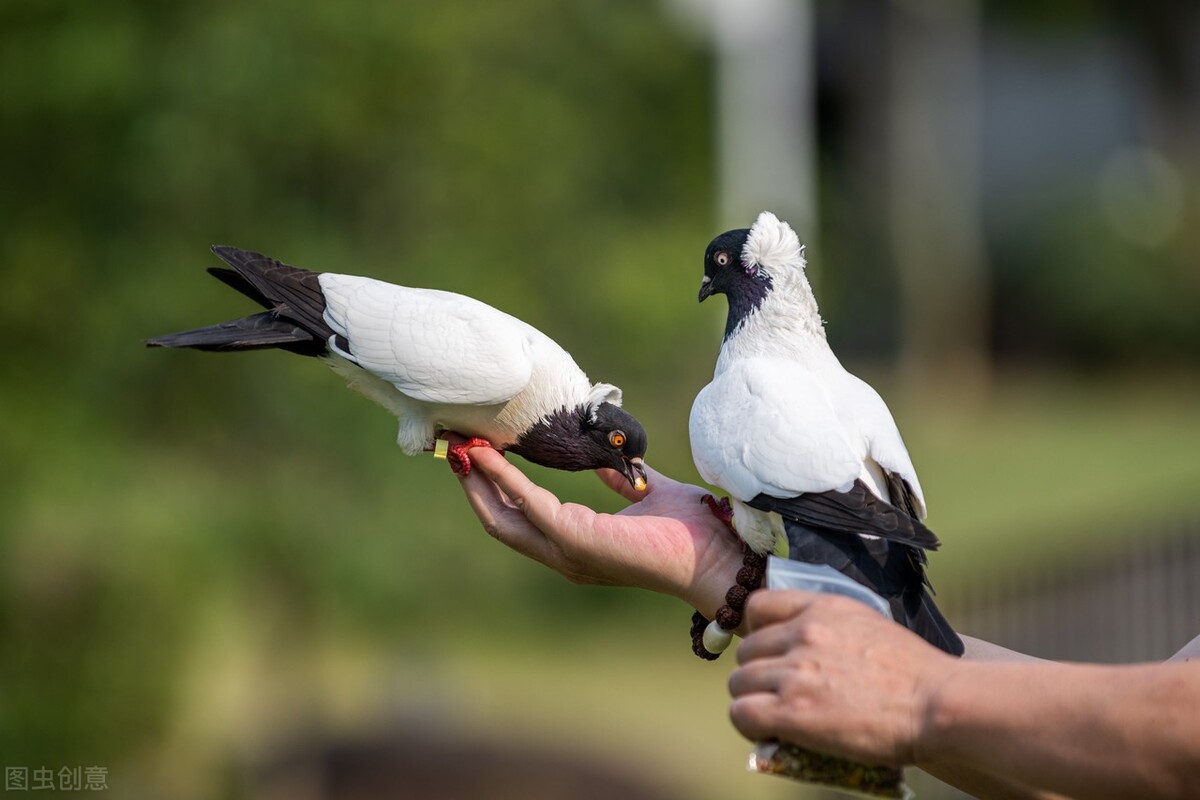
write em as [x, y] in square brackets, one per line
[666, 540]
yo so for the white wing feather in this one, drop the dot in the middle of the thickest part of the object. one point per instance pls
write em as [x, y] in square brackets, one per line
[861, 406]
[767, 426]
[434, 346]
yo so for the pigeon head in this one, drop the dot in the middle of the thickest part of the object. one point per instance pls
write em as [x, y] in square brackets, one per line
[724, 270]
[598, 433]
[748, 264]
[617, 440]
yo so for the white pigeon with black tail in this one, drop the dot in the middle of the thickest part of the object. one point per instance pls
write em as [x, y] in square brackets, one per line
[805, 449]
[439, 361]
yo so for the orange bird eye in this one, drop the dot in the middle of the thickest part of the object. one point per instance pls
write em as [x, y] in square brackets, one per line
[616, 438]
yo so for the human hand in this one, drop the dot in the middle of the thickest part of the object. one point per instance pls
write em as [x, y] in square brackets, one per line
[830, 674]
[667, 540]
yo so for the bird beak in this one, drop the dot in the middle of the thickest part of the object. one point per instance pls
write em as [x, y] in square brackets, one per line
[706, 288]
[635, 473]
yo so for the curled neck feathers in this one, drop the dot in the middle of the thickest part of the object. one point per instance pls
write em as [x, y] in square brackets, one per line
[786, 322]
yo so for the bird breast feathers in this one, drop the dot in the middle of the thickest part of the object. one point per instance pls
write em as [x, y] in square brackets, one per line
[435, 346]
[768, 425]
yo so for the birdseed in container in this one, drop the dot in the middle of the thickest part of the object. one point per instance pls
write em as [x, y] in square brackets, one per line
[839, 774]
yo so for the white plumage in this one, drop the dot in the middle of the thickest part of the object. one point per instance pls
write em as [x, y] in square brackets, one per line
[444, 361]
[805, 449]
[439, 361]
[782, 416]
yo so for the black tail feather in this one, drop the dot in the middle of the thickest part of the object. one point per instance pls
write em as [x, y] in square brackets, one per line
[928, 622]
[295, 315]
[892, 570]
[234, 280]
[257, 332]
[290, 291]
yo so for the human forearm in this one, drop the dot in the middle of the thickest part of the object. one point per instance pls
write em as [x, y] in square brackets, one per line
[985, 786]
[983, 650]
[1084, 731]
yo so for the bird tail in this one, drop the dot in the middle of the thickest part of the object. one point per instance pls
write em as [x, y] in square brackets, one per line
[894, 571]
[294, 319]
[257, 332]
[922, 616]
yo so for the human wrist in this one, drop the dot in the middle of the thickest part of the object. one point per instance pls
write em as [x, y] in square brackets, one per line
[713, 578]
[712, 637]
[939, 699]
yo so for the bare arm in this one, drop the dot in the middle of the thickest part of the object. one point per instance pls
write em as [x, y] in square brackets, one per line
[983, 650]
[827, 673]
[1084, 730]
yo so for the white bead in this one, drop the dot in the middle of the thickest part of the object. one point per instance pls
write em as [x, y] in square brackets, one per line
[716, 639]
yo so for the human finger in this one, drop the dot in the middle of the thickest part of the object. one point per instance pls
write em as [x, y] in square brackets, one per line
[765, 642]
[763, 676]
[539, 505]
[502, 520]
[489, 503]
[758, 716]
[776, 605]
[617, 481]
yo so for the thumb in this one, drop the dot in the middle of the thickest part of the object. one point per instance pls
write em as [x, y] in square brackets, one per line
[620, 484]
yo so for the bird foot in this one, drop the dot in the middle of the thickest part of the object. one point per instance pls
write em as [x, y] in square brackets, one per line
[456, 454]
[721, 509]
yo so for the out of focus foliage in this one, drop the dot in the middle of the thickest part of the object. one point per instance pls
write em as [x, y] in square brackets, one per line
[523, 152]
[549, 158]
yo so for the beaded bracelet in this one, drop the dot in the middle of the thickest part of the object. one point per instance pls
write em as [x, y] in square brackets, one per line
[710, 638]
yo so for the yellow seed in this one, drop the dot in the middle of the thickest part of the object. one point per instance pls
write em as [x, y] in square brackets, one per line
[639, 483]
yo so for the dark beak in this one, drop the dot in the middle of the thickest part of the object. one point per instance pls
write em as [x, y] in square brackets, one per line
[706, 288]
[635, 473]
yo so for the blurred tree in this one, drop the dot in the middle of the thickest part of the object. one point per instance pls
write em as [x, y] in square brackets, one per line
[934, 191]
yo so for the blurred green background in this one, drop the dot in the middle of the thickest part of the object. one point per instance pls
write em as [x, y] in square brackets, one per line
[212, 562]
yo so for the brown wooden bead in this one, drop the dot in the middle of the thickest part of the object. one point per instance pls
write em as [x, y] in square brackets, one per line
[750, 577]
[728, 619]
[753, 559]
[735, 598]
